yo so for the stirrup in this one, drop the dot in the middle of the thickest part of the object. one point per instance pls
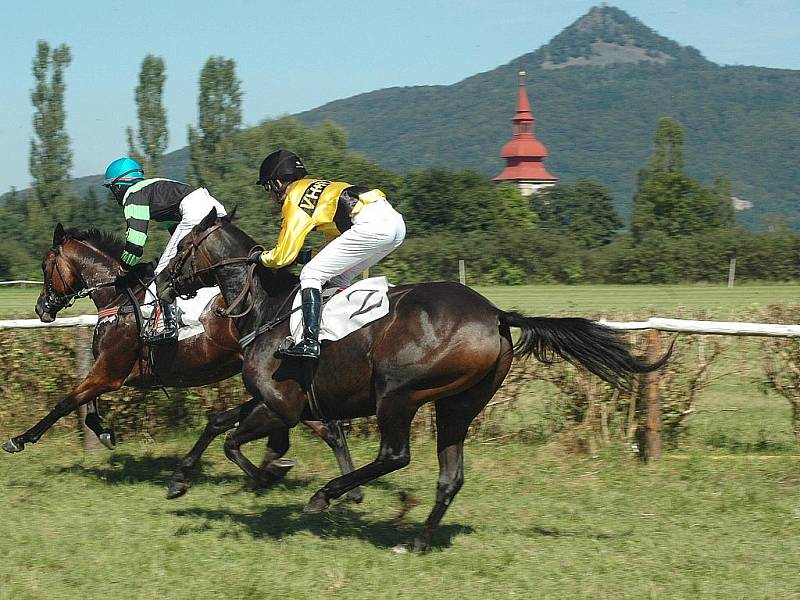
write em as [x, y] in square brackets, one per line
[303, 349]
[165, 336]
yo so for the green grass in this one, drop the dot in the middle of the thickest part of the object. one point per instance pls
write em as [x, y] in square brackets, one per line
[718, 302]
[18, 303]
[528, 523]
[718, 517]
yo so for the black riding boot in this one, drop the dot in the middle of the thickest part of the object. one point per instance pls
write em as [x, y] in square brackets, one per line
[308, 347]
[170, 331]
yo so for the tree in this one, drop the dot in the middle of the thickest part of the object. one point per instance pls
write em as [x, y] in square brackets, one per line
[212, 152]
[669, 201]
[50, 154]
[437, 200]
[584, 211]
[668, 157]
[727, 214]
[149, 144]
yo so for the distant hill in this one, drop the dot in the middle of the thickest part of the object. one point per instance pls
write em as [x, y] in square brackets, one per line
[597, 90]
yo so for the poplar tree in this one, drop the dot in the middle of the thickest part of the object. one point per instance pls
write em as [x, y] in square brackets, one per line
[50, 154]
[148, 145]
[669, 202]
[212, 157]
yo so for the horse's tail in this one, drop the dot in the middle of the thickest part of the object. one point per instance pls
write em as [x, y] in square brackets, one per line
[600, 349]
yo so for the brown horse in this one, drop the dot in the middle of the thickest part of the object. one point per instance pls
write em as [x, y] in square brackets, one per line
[78, 264]
[440, 342]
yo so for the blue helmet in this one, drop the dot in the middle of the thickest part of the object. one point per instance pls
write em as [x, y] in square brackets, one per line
[123, 171]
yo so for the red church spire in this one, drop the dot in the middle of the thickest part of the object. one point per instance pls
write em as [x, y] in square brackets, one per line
[524, 153]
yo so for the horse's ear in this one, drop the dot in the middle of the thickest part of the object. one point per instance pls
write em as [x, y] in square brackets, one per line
[232, 216]
[58, 235]
[208, 220]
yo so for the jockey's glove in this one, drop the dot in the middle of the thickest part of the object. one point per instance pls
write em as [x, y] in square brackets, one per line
[255, 257]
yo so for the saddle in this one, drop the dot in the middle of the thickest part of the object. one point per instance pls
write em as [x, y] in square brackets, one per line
[147, 312]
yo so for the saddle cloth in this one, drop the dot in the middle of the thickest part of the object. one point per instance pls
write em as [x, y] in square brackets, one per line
[363, 302]
[189, 311]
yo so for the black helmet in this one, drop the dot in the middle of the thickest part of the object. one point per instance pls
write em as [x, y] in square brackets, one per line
[283, 165]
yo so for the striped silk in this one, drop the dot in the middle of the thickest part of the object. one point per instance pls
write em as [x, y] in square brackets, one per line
[157, 199]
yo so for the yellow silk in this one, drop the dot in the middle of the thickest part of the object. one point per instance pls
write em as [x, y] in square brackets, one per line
[297, 223]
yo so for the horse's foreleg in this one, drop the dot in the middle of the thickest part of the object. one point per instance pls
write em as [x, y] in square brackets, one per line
[332, 434]
[218, 424]
[394, 423]
[94, 384]
[260, 423]
[274, 467]
[95, 424]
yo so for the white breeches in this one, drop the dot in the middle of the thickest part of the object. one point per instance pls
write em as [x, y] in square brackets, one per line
[194, 209]
[377, 230]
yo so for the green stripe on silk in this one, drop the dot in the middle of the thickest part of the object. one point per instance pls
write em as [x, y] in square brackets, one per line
[136, 237]
[129, 259]
[137, 211]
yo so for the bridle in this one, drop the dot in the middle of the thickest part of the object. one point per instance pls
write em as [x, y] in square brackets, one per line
[53, 301]
[177, 279]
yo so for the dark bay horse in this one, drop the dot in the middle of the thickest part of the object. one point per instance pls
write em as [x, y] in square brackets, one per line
[440, 342]
[81, 261]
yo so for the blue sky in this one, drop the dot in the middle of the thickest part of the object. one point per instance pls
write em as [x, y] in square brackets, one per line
[293, 56]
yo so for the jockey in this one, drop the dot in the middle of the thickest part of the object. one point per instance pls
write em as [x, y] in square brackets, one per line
[160, 200]
[359, 225]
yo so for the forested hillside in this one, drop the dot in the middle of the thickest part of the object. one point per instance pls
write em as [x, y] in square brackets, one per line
[597, 90]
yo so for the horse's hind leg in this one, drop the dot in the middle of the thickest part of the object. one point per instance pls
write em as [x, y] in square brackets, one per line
[453, 417]
[218, 424]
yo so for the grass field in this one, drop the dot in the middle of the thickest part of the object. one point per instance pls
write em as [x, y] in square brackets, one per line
[528, 524]
[719, 517]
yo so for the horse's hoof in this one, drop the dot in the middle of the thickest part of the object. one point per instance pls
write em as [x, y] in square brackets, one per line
[11, 447]
[420, 546]
[317, 504]
[355, 495]
[177, 489]
[278, 468]
[108, 439]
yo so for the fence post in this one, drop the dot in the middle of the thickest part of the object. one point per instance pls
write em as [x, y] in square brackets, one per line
[84, 360]
[462, 272]
[732, 271]
[653, 425]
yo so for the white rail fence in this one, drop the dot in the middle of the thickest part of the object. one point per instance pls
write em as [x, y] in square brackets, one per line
[655, 323]
[654, 349]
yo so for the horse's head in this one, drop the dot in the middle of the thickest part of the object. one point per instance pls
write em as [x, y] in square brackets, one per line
[62, 281]
[199, 252]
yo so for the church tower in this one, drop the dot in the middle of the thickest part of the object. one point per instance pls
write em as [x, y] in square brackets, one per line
[524, 154]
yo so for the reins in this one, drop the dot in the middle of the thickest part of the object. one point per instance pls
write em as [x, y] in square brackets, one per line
[248, 339]
[176, 278]
[196, 247]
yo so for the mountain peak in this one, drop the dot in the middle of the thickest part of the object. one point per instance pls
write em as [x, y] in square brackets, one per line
[607, 35]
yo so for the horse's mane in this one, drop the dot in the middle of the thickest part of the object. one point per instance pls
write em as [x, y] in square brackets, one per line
[105, 242]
